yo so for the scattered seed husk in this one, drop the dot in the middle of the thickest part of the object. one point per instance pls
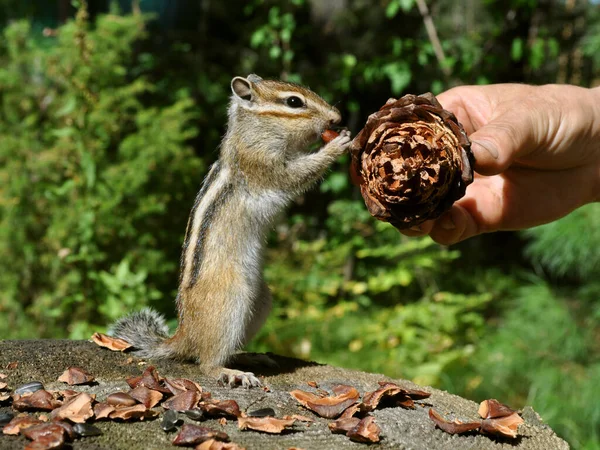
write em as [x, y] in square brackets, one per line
[270, 425]
[148, 397]
[392, 393]
[506, 426]
[343, 425]
[47, 442]
[111, 343]
[86, 430]
[150, 379]
[75, 376]
[77, 409]
[43, 429]
[263, 412]
[452, 427]
[194, 434]
[213, 444]
[133, 412]
[3, 376]
[19, 423]
[69, 431]
[329, 407]
[12, 365]
[3, 385]
[67, 394]
[170, 420]
[32, 386]
[184, 401]
[228, 408]
[493, 409]
[40, 400]
[300, 418]
[179, 385]
[120, 399]
[102, 410]
[365, 431]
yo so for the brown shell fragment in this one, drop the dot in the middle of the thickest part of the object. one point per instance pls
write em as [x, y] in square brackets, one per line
[329, 407]
[3, 385]
[76, 375]
[228, 408]
[47, 442]
[40, 400]
[392, 393]
[454, 427]
[506, 426]
[194, 434]
[412, 161]
[44, 429]
[19, 423]
[365, 431]
[111, 343]
[133, 412]
[184, 401]
[179, 385]
[213, 444]
[270, 425]
[148, 397]
[343, 425]
[77, 409]
[492, 409]
[150, 379]
[103, 410]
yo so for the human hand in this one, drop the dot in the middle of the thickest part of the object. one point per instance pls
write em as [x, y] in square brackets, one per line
[537, 151]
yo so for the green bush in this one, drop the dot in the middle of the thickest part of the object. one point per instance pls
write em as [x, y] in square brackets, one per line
[92, 178]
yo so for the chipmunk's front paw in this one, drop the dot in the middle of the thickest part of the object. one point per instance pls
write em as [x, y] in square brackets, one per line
[339, 145]
[232, 378]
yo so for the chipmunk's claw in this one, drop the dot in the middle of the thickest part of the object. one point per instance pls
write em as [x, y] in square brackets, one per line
[233, 378]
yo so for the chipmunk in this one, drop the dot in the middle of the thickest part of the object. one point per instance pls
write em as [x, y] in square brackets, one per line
[263, 164]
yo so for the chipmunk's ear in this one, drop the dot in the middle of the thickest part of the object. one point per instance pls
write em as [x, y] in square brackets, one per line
[242, 88]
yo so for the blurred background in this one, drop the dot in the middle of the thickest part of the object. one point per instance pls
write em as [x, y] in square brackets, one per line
[112, 111]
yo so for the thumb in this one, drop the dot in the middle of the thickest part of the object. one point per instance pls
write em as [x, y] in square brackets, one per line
[498, 143]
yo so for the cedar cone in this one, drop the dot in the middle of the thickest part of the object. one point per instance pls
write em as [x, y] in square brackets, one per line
[412, 161]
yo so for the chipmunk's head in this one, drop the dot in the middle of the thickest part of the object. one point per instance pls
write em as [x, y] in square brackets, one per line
[291, 112]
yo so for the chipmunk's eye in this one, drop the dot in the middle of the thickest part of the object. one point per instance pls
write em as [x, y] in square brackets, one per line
[294, 102]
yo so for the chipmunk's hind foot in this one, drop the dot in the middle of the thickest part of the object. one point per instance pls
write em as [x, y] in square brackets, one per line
[233, 378]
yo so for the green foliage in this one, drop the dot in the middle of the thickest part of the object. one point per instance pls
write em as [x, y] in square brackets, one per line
[563, 252]
[86, 201]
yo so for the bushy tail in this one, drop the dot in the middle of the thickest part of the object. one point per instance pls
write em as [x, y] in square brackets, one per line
[146, 331]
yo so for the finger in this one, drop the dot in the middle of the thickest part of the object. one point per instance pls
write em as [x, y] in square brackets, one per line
[498, 143]
[419, 230]
[519, 198]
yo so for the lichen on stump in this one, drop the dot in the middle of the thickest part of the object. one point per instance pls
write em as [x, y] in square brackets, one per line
[412, 161]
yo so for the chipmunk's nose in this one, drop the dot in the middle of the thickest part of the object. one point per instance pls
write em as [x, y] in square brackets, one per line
[335, 116]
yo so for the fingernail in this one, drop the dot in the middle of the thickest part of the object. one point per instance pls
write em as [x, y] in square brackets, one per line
[488, 146]
[416, 228]
[447, 223]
